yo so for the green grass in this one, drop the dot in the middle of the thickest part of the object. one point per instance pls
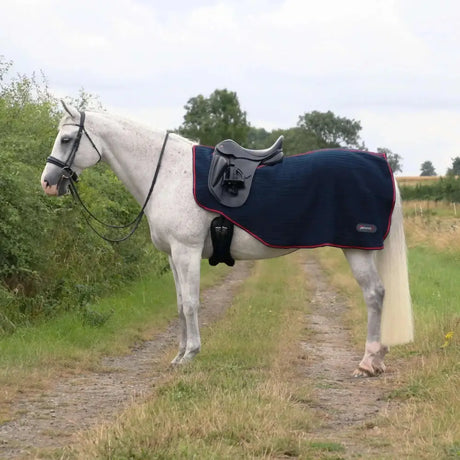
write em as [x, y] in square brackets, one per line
[240, 397]
[435, 283]
[76, 340]
[73, 333]
[426, 423]
[430, 385]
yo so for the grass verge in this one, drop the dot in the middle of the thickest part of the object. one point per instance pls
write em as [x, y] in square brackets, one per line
[426, 423]
[34, 356]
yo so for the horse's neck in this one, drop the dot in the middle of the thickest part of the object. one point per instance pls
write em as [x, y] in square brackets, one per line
[133, 151]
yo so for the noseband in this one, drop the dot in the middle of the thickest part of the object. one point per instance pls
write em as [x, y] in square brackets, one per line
[66, 166]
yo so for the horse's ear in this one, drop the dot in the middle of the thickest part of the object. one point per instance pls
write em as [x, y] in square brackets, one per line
[72, 111]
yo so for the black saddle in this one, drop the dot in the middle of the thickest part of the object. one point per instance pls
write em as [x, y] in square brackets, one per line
[233, 167]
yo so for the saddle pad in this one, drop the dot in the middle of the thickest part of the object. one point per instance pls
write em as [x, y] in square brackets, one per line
[332, 197]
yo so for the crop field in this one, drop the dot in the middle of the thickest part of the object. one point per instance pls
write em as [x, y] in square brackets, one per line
[414, 180]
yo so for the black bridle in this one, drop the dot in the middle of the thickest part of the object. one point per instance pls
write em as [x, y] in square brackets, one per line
[72, 176]
[66, 165]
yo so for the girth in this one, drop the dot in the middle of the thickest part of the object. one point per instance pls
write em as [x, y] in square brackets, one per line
[221, 236]
[233, 167]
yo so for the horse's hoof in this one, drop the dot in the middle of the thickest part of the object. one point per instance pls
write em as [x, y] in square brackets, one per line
[182, 361]
[177, 360]
[176, 366]
[361, 372]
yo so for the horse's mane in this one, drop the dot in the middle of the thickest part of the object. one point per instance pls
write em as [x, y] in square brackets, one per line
[124, 121]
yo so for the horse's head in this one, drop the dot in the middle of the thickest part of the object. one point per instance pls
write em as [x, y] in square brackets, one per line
[72, 153]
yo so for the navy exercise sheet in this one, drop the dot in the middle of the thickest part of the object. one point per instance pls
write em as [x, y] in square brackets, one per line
[330, 197]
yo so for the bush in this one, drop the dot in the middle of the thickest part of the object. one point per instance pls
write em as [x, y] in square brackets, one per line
[50, 260]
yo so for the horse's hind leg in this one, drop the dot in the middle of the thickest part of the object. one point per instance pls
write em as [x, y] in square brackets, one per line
[363, 266]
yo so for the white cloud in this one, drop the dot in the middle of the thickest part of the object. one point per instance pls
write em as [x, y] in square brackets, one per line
[417, 136]
[392, 64]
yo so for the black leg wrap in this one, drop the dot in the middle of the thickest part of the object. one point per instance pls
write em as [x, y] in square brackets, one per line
[221, 235]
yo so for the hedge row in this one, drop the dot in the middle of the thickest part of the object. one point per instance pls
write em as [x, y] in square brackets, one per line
[50, 261]
[445, 189]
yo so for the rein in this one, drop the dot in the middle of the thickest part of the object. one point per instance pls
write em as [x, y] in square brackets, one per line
[73, 177]
[135, 222]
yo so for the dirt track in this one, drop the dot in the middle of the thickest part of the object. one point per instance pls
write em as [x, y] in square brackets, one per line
[347, 405]
[343, 403]
[53, 418]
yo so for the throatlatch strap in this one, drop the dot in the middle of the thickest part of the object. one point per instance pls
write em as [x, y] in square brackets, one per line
[221, 236]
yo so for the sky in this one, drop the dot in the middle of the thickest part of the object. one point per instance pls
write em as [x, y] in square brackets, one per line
[393, 65]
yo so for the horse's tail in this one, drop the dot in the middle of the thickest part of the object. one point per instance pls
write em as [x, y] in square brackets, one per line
[397, 320]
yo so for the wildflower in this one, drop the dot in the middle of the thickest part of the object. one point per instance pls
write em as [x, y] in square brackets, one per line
[447, 339]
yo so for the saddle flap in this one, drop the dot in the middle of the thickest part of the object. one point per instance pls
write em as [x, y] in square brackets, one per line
[217, 169]
[230, 181]
[233, 167]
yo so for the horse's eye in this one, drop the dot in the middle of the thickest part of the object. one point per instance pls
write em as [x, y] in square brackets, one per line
[65, 140]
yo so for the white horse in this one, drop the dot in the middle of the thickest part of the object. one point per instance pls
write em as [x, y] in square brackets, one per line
[180, 228]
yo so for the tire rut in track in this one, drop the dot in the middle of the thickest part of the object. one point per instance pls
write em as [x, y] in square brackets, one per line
[347, 406]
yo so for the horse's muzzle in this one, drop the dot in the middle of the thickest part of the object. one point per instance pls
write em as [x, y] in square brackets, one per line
[53, 186]
[50, 190]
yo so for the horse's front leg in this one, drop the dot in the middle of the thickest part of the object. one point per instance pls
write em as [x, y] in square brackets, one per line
[185, 264]
[363, 266]
[180, 310]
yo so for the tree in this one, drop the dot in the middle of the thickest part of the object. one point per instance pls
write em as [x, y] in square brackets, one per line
[332, 130]
[215, 118]
[427, 169]
[296, 140]
[86, 101]
[394, 159]
[28, 117]
[4, 67]
[454, 170]
[258, 138]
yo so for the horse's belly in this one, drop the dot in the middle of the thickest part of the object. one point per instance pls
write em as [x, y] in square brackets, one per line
[246, 247]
